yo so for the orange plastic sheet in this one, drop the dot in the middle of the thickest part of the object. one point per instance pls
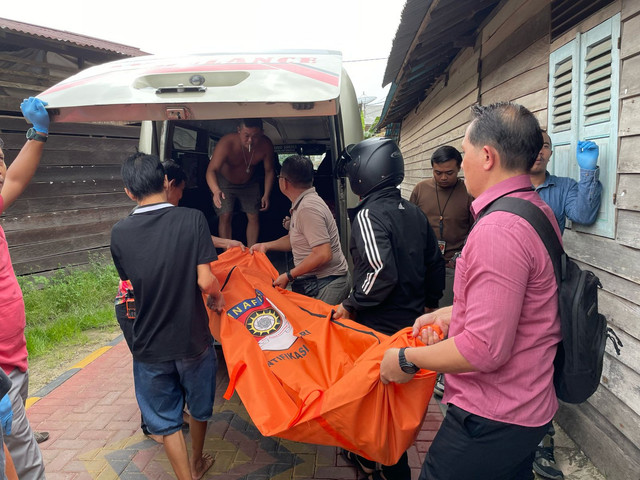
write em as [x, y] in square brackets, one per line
[305, 377]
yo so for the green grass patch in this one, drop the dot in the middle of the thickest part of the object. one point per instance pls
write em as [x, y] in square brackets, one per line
[62, 307]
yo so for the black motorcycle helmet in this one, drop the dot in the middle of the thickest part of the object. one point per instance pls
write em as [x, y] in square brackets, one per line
[371, 165]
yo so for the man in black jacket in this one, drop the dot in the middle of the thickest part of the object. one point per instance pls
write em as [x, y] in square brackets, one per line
[398, 267]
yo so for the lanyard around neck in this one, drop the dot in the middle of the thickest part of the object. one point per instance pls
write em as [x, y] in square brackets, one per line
[441, 210]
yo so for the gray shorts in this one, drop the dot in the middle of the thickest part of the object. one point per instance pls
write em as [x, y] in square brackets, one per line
[247, 194]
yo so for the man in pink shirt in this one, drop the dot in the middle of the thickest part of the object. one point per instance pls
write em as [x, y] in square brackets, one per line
[503, 327]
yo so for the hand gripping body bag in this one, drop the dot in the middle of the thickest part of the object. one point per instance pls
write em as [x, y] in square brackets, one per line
[305, 377]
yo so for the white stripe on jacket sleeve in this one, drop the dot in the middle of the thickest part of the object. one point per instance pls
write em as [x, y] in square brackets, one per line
[371, 250]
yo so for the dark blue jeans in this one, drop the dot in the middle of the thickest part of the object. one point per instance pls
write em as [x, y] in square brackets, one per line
[163, 387]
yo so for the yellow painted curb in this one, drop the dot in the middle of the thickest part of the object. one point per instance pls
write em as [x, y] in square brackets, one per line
[81, 364]
[90, 358]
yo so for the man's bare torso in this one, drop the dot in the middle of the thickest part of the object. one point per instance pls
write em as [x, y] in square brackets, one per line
[239, 162]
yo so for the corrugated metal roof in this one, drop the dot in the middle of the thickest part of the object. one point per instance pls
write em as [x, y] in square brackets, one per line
[431, 33]
[68, 37]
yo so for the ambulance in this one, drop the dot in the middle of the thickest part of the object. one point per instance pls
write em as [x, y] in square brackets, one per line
[185, 104]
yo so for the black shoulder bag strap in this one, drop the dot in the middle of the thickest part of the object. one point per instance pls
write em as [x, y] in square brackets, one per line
[540, 223]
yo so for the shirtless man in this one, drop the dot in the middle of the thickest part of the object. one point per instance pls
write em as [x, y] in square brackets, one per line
[230, 175]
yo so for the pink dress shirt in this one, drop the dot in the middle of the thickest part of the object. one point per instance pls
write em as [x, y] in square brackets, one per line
[13, 346]
[505, 318]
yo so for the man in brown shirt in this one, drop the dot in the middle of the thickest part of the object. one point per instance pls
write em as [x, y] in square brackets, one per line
[446, 203]
[321, 270]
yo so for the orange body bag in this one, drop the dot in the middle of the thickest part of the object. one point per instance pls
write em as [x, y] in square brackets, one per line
[305, 377]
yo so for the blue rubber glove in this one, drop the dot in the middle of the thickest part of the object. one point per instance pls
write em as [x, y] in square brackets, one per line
[587, 153]
[35, 113]
[6, 414]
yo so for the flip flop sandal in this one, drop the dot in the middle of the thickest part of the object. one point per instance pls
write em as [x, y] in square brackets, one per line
[354, 460]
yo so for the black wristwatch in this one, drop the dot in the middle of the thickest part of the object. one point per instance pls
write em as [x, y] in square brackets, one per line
[406, 365]
[289, 276]
[33, 135]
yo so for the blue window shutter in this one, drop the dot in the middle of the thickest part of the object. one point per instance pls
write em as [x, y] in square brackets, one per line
[563, 107]
[598, 112]
[584, 82]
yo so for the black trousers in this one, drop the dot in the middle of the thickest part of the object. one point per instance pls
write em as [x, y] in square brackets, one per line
[398, 471]
[470, 447]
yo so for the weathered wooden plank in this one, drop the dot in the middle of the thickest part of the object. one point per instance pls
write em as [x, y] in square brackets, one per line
[35, 251]
[621, 288]
[69, 202]
[617, 377]
[629, 34]
[456, 89]
[422, 125]
[523, 27]
[93, 129]
[609, 450]
[628, 157]
[519, 86]
[432, 93]
[18, 238]
[52, 263]
[629, 228]
[535, 102]
[118, 146]
[629, 75]
[541, 115]
[463, 118]
[26, 81]
[586, 25]
[621, 314]
[617, 413]
[499, 18]
[47, 189]
[534, 56]
[45, 79]
[462, 106]
[16, 60]
[516, 39]
[630, 353]
[453, 137]
[75, 158]
[76, 173]
[10, 103]
[451, 89]
[23, 86]
[425, 130]
[62, 219]
[628, 196]
[604, 253]
[629, 9]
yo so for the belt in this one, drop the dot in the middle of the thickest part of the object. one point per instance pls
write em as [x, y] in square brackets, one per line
[327, 280]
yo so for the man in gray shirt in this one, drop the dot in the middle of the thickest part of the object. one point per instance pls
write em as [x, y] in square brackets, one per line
[320, 270]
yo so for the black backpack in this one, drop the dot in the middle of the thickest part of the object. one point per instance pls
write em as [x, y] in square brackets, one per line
[578, 361]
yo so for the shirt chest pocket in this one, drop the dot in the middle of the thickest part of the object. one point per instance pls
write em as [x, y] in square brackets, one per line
[460, 279]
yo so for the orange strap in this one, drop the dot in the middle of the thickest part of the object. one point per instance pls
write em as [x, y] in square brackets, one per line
[233, 378]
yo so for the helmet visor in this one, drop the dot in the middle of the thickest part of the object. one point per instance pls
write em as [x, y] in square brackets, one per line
[344, 159]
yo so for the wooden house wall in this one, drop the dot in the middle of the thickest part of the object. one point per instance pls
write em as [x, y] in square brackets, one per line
[513, 48]
[440, 120]
[65, 215]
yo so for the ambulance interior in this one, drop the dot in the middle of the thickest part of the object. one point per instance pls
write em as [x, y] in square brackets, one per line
[190, 143]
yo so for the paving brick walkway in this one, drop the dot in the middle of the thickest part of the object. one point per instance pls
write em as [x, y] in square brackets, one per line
[94, 424]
